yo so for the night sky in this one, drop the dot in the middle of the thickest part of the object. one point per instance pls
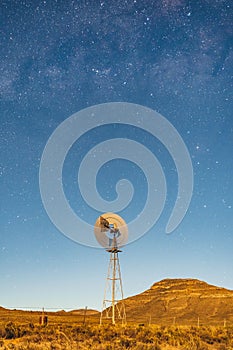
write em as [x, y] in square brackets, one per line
[59, 57]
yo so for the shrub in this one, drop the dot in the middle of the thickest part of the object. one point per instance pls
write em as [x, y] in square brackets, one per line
[11, 331]
[127, 343]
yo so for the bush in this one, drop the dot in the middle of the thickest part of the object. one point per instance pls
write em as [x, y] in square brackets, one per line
[127, 343]
[11, 331]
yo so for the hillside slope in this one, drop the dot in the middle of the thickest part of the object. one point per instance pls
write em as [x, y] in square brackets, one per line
[182, 301]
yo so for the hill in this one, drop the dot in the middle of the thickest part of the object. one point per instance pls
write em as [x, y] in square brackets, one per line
[181, 301]
[84, 312]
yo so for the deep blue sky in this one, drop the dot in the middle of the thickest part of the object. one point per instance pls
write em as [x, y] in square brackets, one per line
[58, 57]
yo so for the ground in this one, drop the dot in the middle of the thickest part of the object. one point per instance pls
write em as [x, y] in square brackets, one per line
[21, 331]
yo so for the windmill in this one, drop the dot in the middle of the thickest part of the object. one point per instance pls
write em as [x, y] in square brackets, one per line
[111, 233]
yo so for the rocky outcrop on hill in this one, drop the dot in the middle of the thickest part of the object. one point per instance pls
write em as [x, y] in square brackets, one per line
[182, 301]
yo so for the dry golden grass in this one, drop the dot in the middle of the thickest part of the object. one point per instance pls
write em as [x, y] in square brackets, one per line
[21, 331]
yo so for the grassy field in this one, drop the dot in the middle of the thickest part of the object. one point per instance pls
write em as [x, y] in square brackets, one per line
[21, 331]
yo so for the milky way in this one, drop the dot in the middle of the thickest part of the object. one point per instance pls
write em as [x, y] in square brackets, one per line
[59, 57]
